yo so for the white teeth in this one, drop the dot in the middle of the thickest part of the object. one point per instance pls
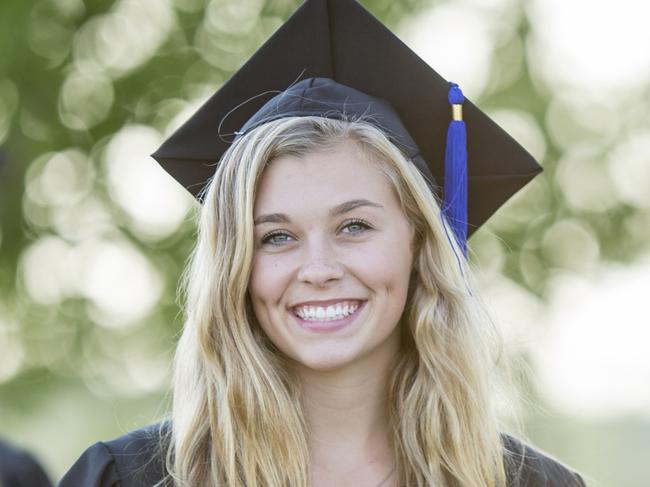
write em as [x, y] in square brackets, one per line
[332, 312]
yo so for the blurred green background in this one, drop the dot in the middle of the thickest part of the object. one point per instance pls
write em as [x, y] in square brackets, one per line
[94, 234]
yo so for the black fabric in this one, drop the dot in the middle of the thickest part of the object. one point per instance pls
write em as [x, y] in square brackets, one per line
[341, 41]
[324, 97]
[135, 460]
[528, 467]
[20, 469]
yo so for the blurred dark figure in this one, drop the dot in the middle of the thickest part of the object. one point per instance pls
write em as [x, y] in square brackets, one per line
[20, 469]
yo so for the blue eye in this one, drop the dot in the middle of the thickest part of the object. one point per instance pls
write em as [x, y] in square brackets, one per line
[279, 237]
[356, 226]
[276, 238]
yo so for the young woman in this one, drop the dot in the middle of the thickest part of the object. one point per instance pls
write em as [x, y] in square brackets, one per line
[333, 336]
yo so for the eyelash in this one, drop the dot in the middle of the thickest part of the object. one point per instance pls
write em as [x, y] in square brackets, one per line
[357, 221]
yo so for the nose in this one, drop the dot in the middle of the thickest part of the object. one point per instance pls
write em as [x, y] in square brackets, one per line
[319, 265]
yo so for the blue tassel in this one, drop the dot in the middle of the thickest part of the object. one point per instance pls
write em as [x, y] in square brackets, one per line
[455, 190]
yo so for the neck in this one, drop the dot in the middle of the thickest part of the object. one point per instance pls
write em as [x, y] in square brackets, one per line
[346, 411]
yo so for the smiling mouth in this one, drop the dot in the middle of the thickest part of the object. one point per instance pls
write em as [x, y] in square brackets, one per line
[320, 320]
[332, 312]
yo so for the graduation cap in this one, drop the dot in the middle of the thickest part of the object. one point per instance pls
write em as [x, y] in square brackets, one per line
[333, 57]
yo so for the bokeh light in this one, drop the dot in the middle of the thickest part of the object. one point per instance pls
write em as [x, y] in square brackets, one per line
[585, 181]
[155, 203]
[44, 272]
[593, 360]
[524, 128]
[115, 43]
[85, 100]
[12, 353]
[570, 244]
[50, 29]
[574, 44]
[121, 284]
[8, 105]
[232, 16]
[438, 38]
[59, 178]
[629, 167]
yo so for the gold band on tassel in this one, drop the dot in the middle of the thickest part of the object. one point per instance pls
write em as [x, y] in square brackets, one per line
[457, 112]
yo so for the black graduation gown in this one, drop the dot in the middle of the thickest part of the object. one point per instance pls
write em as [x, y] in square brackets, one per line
[135, 460]
[20, 469]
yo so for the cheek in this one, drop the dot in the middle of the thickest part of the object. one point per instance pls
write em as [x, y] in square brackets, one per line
[260, 284]
[267, 282]
[387, 265]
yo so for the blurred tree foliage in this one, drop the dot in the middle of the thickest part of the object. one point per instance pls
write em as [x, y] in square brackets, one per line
[73, 74]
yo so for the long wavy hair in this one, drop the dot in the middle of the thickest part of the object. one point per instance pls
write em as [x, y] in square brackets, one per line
[237, 415]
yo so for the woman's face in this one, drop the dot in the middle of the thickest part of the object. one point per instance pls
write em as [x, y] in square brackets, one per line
[332, 260]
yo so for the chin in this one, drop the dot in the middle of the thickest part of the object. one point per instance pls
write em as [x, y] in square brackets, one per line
[324, 362]
[320, 362]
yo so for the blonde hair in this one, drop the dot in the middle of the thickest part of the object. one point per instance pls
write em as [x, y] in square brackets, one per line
[237, 416]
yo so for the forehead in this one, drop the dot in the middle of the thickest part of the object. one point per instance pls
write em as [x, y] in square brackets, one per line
[323, 178]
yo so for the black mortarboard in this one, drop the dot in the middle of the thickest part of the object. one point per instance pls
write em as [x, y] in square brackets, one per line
[341, 41]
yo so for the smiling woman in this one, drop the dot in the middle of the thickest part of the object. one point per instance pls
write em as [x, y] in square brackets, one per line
[333, 336]
[342, 269]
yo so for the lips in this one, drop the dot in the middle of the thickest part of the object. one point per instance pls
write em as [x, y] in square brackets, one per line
[334, 311]
[329, 325]
[327, 302]
[326, 309]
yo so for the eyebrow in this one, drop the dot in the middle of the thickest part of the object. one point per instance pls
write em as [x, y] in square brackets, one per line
[335, 211]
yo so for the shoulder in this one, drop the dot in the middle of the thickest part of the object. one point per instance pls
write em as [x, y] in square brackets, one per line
[133, 459]
[19, 468]
[529, 467]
